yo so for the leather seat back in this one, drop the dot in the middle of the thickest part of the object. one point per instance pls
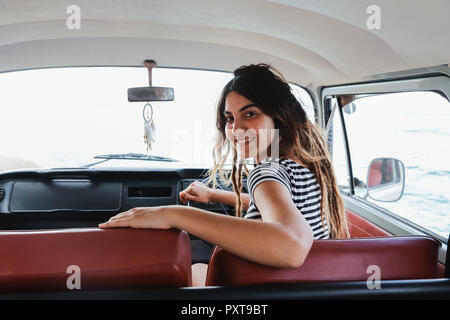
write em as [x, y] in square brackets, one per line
[359, 227]
[405, 257]
[107, 259]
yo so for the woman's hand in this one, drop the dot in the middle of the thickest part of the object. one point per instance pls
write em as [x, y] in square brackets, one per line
[151, 217]
[196, 191]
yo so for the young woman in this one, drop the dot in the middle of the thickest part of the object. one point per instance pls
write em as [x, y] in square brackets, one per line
[293, 195]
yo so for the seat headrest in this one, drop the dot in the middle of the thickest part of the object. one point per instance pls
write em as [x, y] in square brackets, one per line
[41, 260]
[405, 257]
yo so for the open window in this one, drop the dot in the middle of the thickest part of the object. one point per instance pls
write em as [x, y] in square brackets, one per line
[385, 132]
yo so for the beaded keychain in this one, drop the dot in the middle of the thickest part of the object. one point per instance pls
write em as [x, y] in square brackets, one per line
[149, 126]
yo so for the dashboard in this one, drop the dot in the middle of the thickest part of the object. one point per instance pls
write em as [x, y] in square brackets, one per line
[79, 198]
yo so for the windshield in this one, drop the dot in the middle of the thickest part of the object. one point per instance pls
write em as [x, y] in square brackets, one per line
[64, 117]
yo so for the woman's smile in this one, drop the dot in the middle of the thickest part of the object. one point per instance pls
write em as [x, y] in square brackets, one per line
[247, 127]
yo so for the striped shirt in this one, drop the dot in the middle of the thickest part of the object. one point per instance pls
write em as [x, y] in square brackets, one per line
[302, 185]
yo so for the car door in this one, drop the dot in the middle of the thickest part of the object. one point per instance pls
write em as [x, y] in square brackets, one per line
[404, 120]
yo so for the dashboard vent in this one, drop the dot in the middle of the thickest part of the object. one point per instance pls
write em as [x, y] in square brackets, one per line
[2, 193]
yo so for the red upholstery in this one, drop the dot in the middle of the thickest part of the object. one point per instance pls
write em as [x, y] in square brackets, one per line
[361, 228]
[108, 259]
[409, 257]
[375, 176]
[441, 270]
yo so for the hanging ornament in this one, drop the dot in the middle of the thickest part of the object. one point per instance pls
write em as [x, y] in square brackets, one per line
[149, 126]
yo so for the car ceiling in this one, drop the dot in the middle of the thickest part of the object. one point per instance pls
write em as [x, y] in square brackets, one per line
[311, 42]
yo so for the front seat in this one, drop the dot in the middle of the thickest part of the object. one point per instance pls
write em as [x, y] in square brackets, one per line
[400, 257]
[49, 260]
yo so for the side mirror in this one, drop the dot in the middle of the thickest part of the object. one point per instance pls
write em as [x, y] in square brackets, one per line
[350, 108]
[385, 179]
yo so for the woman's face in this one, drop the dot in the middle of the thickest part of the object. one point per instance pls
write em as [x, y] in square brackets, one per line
[248, 129]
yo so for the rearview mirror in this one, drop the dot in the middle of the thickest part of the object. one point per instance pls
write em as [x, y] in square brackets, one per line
[150, 94]
[385, 179]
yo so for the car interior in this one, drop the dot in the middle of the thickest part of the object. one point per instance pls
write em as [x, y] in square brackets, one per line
[49, 216]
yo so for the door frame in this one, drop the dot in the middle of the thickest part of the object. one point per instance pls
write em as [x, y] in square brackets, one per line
[435, 79]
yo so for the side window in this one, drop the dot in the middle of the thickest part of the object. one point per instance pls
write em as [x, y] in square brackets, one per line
[412, 127]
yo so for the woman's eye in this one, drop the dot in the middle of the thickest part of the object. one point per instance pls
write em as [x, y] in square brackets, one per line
[248, 115]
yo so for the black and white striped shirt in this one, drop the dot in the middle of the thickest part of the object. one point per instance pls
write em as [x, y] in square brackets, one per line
[302, 186]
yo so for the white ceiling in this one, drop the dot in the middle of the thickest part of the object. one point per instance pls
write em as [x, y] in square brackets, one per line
[310, 41]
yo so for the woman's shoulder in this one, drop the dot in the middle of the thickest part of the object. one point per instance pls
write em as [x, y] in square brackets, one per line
[295, 168]
[269, 166]
[268, 169]
[281, 166]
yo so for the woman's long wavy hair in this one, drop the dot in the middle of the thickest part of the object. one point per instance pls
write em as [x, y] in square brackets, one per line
[299, 140]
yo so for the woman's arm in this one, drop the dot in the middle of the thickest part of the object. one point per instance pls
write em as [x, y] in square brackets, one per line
[282, 239]
[229, 198]
[199, 192]
[262, 242]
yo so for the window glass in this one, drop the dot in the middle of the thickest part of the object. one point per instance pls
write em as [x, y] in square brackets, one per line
[412, 127]
[305, 100]
[63, 117]
[338, 155]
